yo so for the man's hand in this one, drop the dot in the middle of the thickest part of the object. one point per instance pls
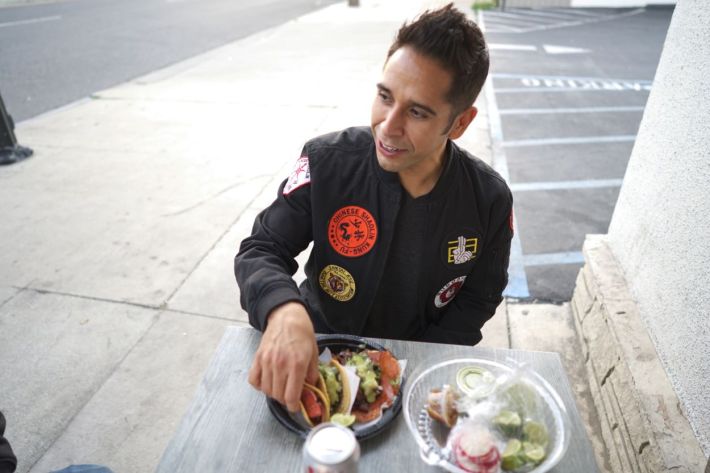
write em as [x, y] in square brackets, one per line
[287, 355]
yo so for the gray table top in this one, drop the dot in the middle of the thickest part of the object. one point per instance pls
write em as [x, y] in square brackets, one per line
[229, 428]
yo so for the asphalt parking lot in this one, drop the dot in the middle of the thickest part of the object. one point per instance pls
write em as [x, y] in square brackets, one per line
[570, 86]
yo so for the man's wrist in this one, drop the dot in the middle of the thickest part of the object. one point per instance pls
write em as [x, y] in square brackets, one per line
[288, 312]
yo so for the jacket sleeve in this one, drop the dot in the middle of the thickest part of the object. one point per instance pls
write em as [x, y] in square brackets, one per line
[265, 263]
[8, 461]
[482, 291]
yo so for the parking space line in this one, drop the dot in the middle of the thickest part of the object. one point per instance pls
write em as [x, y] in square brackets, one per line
[564, 185]
[546, 259]
[573, 140]
[576, 11]
[517, 279]
[511, 47]
[541, 111]
[33, 20]
[516, 17]
[551, 15]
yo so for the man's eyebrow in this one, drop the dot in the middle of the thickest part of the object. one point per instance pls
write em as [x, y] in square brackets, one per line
[426, 108]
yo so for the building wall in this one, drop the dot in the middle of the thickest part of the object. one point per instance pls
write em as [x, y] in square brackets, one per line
[619, 3]
[660, 230]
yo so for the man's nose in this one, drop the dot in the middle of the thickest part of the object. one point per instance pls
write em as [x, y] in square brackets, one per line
[393, 124]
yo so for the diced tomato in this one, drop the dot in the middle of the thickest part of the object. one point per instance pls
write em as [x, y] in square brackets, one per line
[313, 408]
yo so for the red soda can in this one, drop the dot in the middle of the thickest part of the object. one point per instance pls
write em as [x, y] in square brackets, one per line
[331, 448]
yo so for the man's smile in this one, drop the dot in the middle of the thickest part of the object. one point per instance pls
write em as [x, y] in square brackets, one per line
[389, 151]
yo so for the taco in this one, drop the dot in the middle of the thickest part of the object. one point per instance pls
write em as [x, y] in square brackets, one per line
[380, 376]
[314, 404]
[335, 386]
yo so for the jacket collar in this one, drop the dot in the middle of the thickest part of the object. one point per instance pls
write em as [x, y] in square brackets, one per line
[442, 186]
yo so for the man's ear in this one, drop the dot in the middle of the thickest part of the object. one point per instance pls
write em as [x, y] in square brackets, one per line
[461, 122]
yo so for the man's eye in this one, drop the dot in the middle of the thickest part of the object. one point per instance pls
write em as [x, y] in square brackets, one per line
[416, 113]
[383, 96]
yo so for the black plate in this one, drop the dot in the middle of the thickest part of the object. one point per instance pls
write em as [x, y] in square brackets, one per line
[337, 343]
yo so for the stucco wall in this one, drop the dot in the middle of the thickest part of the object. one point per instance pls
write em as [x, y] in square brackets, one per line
[660, 231]
[619, 3]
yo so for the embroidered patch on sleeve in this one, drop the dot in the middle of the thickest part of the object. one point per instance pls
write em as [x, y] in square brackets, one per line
[300, 176]
[447, 293]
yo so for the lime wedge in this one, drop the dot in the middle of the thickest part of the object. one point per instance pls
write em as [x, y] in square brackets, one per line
[345, 420]
[521, 398]
[533, 452]
[508, 422]
[512, 457]
[535, 432]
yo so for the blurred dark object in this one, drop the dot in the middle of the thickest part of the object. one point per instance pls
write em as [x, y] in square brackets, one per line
[353, 3]
[10, 151]
[8, 461]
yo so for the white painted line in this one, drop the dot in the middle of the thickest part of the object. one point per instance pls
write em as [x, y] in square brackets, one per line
[576, 11]
[523, 24]
[540, 111]
[503, 31]
[552, 49]
[512, 29]
[544, 259]
[518, 90]
[511, 47]
[517, 280]
[586, 21]
[33, 20]
[575, 140]
[564, 185]
[550, 15]
[516, 18]
[505, 75]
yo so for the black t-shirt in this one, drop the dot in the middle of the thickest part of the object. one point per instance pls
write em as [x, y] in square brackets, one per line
[396, 311]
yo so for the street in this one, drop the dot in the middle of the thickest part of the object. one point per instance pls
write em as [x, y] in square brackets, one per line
[56, 53]
[570, 87]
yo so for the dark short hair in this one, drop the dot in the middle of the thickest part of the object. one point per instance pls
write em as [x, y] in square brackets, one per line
[456, 42]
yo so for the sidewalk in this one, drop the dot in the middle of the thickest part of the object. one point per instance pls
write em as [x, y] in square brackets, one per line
[119, 233]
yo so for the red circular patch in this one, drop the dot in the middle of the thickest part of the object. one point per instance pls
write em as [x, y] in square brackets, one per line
[352, 231]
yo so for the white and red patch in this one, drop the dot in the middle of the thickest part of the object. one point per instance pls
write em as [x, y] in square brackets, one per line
[447, 293]
[300, 176]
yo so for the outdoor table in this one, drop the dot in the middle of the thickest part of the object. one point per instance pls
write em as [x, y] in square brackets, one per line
[229, 428]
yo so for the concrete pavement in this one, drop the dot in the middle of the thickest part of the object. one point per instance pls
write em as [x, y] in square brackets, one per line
[119, 233]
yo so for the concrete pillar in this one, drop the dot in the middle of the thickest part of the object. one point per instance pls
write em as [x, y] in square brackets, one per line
[660, 231]
[642, 301]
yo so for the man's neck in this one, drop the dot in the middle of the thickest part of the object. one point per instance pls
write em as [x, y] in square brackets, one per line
[421, 181]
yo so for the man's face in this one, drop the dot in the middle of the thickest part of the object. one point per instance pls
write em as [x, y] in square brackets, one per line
[410, 115]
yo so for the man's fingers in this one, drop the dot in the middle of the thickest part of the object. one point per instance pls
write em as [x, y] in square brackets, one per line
[255, 374]
[278, 383]
[294, 386]
[312, 370]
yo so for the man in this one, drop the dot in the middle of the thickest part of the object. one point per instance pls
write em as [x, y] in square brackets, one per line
[411, 235]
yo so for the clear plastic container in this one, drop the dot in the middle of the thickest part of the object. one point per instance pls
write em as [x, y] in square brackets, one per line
[431, 436]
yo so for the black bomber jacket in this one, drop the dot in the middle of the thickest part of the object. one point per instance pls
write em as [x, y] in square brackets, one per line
[341, 199]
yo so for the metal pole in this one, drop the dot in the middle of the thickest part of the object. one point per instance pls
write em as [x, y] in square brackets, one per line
[10, 151]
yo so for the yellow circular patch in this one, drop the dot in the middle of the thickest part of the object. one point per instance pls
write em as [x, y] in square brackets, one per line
[337, 282]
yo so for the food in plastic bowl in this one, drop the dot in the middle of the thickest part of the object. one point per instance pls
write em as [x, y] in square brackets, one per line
[477, 415]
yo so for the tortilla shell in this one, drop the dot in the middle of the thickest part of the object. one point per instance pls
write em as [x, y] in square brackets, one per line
[322, 397]
[343, 406]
